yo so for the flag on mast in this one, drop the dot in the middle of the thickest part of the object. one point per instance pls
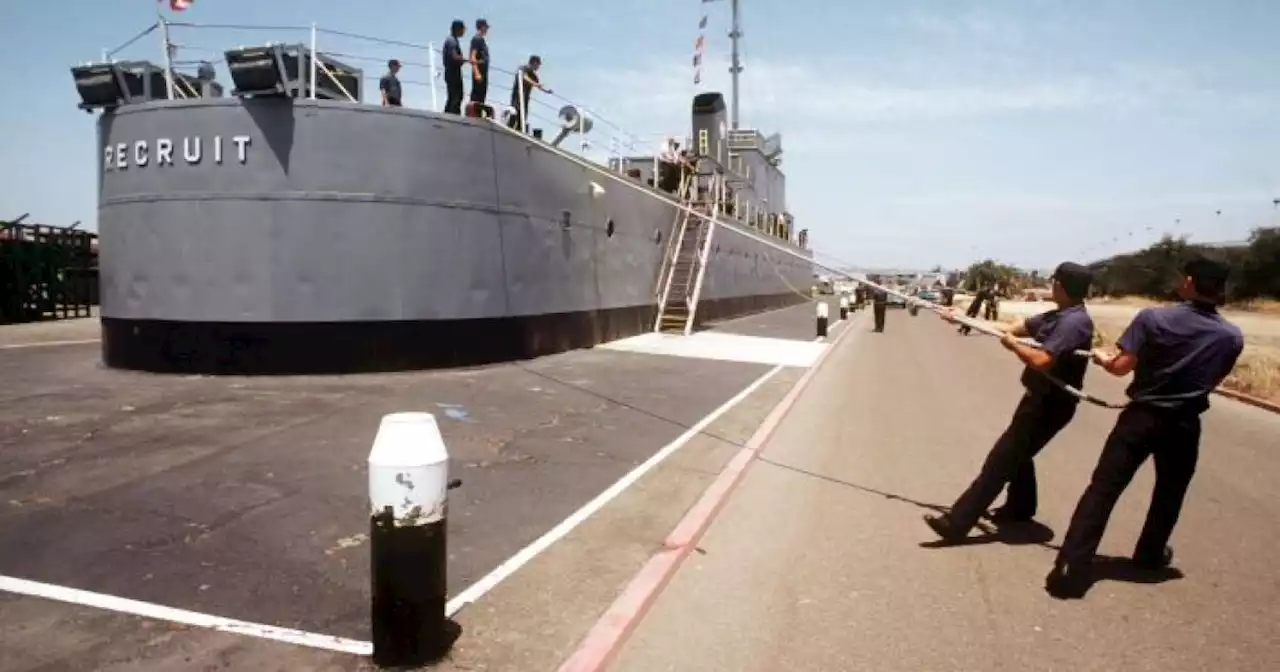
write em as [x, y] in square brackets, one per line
[698, 45]
[177, 5]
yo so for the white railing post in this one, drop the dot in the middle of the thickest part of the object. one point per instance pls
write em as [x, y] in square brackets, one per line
[168, 54]
[431, 61]
[314, 56]
[524, 117]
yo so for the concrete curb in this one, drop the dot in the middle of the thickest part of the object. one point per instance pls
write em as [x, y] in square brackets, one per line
[607, 636]
[1249, 399]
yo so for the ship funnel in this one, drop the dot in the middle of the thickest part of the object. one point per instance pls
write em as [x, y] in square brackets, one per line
[572, 120]
[709, 126]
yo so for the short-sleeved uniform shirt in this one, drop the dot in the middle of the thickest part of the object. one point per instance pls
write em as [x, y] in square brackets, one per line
[1184, 352]
[453, 60]
[480, 47]
[529, 73]
[1061, 332]
[391, 85]
[879, 296]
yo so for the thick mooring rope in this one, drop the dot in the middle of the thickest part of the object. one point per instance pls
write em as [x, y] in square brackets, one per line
[991, 331]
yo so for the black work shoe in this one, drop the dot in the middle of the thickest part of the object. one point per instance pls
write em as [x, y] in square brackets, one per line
[941, 525]
[1004, 515]
[1152, 562]
[1065, 582]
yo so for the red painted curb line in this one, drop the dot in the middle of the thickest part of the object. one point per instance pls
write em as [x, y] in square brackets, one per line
[1249, 399]
[606, 637]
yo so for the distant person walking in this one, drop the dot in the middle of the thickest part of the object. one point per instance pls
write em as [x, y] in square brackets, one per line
[879, 303]
[480, 63]
[992, 311]
[983, 296]
[453, 60]
[525, 82]
[390, 85]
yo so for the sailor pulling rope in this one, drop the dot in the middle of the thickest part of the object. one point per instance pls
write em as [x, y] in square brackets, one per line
[982, 327]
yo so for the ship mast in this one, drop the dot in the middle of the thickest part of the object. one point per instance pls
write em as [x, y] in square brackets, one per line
[735, 68]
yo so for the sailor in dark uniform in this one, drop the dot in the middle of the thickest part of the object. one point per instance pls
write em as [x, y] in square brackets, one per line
[1178, 354]
[1044, 410]
[879, 301]
[983, 296]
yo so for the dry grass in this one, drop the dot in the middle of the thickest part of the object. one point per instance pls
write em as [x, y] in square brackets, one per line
[1257, 306]
[1260, 306]
[1133, 301]
[1257, 373]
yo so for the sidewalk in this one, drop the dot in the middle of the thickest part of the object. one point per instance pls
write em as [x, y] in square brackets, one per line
[816, 563]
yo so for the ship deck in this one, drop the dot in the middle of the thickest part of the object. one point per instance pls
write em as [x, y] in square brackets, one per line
[246, 498]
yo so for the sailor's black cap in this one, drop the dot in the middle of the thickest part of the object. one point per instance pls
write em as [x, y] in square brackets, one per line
[1074, 278]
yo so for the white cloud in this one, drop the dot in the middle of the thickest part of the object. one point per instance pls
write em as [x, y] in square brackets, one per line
[811, 105]
[800, 100]
[969, 24]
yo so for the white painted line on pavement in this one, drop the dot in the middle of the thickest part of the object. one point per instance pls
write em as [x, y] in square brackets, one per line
[477, 590]
[472, 593]
[48, 344]
[723, 346]
[487, 583]
[147, 610]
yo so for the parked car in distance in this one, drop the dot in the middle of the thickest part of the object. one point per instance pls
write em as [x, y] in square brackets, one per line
[895, 300]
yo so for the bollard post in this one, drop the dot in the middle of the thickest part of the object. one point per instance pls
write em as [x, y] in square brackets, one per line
[844, 308]
[408, 495]
[822, 319]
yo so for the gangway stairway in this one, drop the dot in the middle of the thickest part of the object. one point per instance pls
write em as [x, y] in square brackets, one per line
[678, 303]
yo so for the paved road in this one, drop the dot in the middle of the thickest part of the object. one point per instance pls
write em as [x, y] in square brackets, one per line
[246, 497]
[820, 560]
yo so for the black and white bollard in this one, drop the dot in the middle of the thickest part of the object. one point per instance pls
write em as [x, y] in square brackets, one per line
[844, 308]
[822, 319]
[408, 495]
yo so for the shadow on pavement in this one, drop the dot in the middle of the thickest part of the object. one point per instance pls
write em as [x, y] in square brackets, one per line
[1105, 567]
[1011, 534]
[1114, 568]
[855, 486]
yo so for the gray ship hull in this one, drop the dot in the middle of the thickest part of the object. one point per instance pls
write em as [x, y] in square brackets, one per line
[283, 236]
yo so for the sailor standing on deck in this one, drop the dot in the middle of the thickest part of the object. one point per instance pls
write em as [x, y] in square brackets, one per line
[480, 63]
[526, 81]
[453, 60]
[390, 85]
[1044, 410]
[1178, 355]
[669, 165]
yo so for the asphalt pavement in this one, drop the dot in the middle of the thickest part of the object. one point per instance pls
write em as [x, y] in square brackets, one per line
[246, 498]
[820, 560]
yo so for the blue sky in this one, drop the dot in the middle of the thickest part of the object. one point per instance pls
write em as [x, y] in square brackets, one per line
[916, 132]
